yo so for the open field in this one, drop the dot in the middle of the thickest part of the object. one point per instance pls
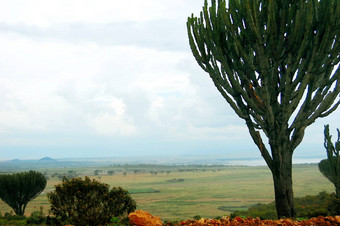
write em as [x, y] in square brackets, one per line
[181, 192]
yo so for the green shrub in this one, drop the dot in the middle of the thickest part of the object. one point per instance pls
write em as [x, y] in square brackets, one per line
[37, 217]
[16, 218]
[8, 214]
[313, 206]
[89, 202]
[263, 211]
[10, 219]
[197, 217]
[334, 205]
[13, 221]
[323, 204]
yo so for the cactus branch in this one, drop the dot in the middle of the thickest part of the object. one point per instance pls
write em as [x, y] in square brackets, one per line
[330, 167]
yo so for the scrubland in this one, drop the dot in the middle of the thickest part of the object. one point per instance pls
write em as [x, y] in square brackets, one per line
[182, 192]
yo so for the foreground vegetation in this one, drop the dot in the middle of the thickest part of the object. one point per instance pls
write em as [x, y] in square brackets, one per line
[323, 204]
[89, 202]
[182, 192]
[311, 210]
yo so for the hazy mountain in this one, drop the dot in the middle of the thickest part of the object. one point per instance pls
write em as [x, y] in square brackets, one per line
[47, 159]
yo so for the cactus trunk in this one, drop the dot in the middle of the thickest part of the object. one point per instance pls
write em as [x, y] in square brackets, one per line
[283, 186]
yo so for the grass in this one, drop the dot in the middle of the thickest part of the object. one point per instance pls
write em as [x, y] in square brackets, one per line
[201, 190]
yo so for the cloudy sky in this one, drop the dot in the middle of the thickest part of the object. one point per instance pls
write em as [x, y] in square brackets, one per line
[84, 78]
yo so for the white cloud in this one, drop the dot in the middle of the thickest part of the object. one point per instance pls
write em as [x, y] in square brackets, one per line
[224, 132]
[111, 118]
[71, 69]
[45, 13]
[111, 124]
[154, 111]
[52, 85]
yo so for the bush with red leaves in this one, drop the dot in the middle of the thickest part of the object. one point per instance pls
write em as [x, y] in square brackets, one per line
[256, 221]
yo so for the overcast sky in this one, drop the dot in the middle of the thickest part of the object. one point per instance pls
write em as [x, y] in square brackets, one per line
[81, 78]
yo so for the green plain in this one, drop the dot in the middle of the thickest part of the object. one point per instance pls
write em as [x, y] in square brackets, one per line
[181, 192]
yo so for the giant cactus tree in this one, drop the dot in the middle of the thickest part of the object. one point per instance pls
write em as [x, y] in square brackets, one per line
[330, 167]
[20, 188]
[275, 63]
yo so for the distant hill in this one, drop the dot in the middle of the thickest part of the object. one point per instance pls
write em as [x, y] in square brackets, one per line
[47, 159]
[48, 162]
[43, 163]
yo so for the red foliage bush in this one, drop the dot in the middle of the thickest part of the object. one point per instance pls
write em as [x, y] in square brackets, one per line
[143, 218]
[256, 221]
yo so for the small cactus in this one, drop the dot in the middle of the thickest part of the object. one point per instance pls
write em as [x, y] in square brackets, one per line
[330, 167]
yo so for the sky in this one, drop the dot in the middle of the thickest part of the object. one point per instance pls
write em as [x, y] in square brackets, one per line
[84, 78]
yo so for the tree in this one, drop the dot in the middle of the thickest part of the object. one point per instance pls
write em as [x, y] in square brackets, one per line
[271, 61]
[330, 167]
[96, 172]
[20, 188]
[89, 202]
[111, 172]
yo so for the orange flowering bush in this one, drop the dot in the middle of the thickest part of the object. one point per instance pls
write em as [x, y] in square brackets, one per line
[89, 202]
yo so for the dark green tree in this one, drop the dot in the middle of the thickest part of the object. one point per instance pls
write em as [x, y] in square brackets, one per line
[274, 62]
[110, 172]
[20, 188]
[89, 202]
[330, 167]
